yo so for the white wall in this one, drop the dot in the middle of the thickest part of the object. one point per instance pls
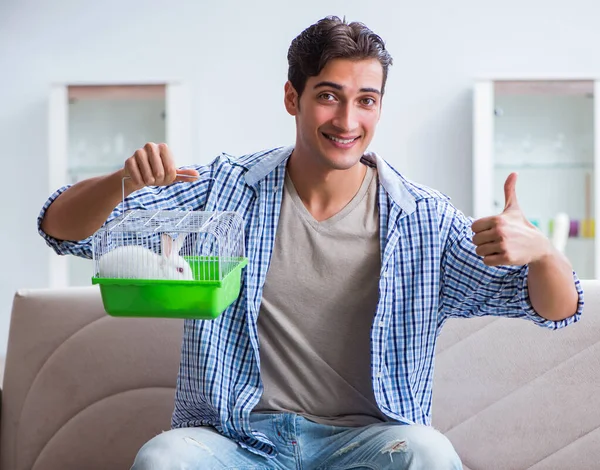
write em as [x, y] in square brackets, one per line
[234, 53]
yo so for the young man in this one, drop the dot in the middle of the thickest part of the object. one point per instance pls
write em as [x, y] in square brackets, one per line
[352, 272]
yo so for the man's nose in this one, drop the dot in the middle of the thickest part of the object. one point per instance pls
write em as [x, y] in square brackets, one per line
[346, 118]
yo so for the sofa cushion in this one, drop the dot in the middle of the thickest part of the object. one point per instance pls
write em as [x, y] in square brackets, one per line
[83, 389]
[511, 395]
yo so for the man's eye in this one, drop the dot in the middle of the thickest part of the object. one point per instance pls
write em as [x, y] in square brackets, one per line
[327, 96]
[368, 101]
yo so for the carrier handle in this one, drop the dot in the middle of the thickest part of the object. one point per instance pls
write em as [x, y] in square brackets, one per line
[129, 177]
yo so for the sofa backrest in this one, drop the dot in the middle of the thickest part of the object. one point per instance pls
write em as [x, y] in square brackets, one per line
[86, 390]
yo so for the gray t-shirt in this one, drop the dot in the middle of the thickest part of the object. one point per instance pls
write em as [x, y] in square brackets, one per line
[318, 305]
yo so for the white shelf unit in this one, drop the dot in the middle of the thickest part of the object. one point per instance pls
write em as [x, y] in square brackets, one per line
[94, 127]
[547, 131]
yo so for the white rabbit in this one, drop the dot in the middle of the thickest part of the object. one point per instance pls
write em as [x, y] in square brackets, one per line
[137, 262]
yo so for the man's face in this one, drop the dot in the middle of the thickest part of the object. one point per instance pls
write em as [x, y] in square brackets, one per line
[338, 111]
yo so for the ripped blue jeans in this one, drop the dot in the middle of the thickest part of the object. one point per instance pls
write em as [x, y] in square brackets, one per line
[303, 444]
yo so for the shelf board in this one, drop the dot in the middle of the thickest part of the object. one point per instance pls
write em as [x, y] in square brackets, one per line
[116, 92]
[544, 166]
[544, 87]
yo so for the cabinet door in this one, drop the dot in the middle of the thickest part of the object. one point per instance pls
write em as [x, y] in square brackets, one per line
[544, 131]
[94, 128]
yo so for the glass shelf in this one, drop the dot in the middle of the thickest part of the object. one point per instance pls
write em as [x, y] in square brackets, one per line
[106, 124]
[93, 129]
[547, 131]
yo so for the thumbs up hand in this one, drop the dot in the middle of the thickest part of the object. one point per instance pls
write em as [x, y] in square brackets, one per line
[509, 239]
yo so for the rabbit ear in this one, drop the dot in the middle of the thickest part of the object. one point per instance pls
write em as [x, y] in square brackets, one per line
[178, 243]
[167, 245]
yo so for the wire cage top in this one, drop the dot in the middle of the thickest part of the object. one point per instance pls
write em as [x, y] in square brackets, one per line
[161, 249]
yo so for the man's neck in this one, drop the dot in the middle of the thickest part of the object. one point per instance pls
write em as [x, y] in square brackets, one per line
[324, 192]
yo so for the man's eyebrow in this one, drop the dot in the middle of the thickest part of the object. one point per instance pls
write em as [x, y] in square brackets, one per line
[337, 86]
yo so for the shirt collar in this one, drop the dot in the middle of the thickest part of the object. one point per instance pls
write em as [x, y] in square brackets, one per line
[393, 183]
[390, 179]
[261, 167]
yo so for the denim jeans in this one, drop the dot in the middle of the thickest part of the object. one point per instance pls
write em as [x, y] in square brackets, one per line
[303, 444]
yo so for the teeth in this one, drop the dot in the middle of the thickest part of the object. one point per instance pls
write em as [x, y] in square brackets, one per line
[341, 141]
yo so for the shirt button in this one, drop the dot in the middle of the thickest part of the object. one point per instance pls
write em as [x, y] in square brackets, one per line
[379, 375]
[381, 324]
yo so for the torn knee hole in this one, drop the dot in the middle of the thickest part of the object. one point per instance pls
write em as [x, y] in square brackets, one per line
[346, 449]
[395, 446]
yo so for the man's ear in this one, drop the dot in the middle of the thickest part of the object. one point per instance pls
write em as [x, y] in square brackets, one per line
[291, 99]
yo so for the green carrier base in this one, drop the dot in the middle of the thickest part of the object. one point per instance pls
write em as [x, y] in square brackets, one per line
[202, 299]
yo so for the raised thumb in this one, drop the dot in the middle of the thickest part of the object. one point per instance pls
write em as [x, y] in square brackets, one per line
[510, 192]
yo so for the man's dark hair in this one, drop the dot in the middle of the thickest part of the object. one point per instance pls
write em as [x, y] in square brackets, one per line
[333, 38]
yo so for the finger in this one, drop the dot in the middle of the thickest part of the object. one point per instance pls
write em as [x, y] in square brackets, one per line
[495, 260]
[141, 158]
[490, 249]
[155, 163]
[487, 236]
[168, 163]
[485, 223]
[189, 174]
[132, 170]
[510, 192]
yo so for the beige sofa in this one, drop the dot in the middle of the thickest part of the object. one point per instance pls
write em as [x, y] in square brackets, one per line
[83, 391]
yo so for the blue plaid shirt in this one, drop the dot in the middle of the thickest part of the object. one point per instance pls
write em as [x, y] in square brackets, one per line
[429, 273]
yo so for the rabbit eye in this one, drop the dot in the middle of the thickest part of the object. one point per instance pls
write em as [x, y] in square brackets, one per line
[180, 270]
